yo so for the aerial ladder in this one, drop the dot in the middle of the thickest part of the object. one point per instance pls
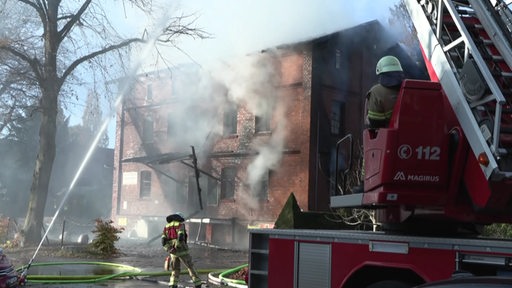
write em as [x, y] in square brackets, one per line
[468, 45]
[448, 150]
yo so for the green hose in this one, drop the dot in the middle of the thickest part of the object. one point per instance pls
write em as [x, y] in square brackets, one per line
[122, 266]
[231, 271]
[129, 272]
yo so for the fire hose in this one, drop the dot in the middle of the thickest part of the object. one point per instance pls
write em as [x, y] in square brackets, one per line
[222, 278]
[125, 272]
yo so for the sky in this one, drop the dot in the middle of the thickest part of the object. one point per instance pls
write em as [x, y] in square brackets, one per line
[238, 27]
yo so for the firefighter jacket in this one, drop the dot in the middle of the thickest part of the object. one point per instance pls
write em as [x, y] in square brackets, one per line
[174, 238]
[380, 101]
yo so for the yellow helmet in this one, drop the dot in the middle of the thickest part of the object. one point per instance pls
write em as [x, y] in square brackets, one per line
[388, 64]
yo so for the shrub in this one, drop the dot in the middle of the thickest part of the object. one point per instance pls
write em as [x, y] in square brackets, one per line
[4, 225]
[498, 230]
[106, 237]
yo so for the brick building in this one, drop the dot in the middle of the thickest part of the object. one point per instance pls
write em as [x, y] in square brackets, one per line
[271, 130]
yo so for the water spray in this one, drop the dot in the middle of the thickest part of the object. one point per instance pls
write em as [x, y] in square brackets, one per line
[71, 186]
[145, 52]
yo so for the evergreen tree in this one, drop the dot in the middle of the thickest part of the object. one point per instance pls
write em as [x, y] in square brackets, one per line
[92, 118]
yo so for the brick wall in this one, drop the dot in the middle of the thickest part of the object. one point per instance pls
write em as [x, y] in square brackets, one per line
[304, 81]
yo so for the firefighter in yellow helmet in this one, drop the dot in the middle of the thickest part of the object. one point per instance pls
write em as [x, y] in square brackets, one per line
[381, 98]
[174, 241]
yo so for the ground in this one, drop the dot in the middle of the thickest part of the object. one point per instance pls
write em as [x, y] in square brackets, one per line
[138, 254]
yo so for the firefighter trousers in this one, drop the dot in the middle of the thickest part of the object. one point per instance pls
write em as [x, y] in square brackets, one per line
[176, 261]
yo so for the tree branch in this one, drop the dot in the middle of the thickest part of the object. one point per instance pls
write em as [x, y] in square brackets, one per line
[7, 117]
[92, 55]
[32, 62]
[176, 27]
[40, 9]
[31, 4]
[74, 19]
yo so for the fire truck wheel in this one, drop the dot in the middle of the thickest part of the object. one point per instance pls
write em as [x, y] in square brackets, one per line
[389, 284]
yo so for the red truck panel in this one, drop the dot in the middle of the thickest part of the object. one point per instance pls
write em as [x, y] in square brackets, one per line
[348, 258]
[423, 160]
[281, 264]
[408, 163]
[359, 258]
[490, 196]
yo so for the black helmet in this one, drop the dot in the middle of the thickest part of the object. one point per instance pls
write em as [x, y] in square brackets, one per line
[175, 217]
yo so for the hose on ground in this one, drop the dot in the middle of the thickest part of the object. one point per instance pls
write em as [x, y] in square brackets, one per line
[126, 272]
[224, 281]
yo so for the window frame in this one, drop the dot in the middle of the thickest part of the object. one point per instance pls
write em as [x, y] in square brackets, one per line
[230, 121]
[262, 123]
[263, 187]
[145, 184]
[228, 182]
[148, 130]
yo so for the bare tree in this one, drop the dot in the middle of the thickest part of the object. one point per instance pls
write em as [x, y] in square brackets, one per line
[402, 25]
[52, 41]
[16, 102]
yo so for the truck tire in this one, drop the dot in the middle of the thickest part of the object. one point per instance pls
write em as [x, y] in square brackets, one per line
[389, 284]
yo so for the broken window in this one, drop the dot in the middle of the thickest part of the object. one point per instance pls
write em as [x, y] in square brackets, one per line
[212, 193]
[147, 130]
[262, 123]
[193, 197]
[261, 188]
[230, 120]
[173, 190]
[209, 191]
[145, 184]
[227, 175]
[149, 94]
[336, 111]
[171, 129]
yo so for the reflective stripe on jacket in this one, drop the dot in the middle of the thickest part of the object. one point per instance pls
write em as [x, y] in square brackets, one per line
[173, 230]
[381, 101]
[176, 235]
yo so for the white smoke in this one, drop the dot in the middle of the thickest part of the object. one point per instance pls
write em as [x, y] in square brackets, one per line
[243, 27]
[199, 97]
[253, 82]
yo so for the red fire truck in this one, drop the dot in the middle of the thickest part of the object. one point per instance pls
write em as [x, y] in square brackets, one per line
[443, 164]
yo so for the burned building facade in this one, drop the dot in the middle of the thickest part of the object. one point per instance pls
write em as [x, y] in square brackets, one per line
[270, 130]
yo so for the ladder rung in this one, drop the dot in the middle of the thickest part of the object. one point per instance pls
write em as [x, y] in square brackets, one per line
[492, 50]
[472, 21]
[506, 129]
[500, 67]
[497, 57]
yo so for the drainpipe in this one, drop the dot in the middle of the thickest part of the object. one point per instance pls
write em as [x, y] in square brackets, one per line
[120, 158]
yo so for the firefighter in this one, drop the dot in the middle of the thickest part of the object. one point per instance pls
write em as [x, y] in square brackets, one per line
[174, 241]
[381, 98]
[9, 277]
